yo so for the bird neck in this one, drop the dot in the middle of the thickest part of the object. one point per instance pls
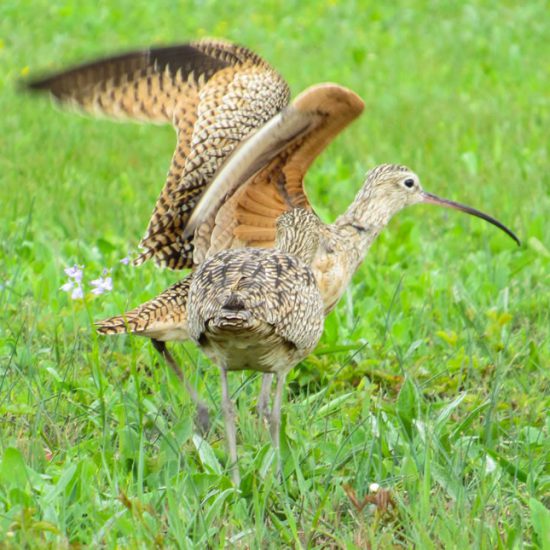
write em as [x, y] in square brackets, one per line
[369, 210]
[301, 245]
[364, 219]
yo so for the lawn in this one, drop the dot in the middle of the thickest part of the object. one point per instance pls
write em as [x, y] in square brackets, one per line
[432, 377]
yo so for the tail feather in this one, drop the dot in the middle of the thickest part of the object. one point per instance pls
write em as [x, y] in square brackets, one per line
[234, 302]
[230, 320]
[234, 314]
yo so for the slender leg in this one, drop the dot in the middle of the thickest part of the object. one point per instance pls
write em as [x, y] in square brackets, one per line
[263, 399]
[230, 430]
[275, 420]
[202, 419]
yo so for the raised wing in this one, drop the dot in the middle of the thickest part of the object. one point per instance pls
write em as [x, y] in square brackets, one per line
[264, 177]
[213, 92]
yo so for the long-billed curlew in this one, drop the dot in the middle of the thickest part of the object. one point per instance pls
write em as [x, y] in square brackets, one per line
[236, 136]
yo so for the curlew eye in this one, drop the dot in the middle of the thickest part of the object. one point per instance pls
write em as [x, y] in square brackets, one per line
[409, 182]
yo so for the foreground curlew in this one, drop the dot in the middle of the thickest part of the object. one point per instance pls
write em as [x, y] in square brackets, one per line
[247, 308]
[236, 136]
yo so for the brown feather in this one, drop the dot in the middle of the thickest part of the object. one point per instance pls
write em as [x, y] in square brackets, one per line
[163, 318]
[233, 194]
[215, 94]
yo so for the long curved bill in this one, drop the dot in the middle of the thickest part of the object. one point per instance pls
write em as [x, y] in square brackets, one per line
[434, 199]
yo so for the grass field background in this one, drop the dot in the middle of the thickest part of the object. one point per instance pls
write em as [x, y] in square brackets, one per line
[432, 377]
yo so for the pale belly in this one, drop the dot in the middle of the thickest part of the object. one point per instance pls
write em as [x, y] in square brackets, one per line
[251, 352]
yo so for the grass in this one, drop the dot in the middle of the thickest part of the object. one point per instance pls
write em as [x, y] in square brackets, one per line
[431, 379]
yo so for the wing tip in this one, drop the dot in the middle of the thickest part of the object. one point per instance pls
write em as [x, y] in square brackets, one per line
[339, 96]
[32, 85]
[113, 325]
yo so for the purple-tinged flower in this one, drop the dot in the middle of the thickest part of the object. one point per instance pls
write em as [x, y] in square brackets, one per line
[102, 284]
[75, 288]
[68, 286]
[125, 260]
[75, 272]
[77, 293]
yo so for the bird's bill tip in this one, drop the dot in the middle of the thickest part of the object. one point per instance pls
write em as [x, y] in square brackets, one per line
[430, 198]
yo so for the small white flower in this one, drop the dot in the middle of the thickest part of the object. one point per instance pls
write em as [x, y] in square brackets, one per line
[490, 465]
[68, 286]
[75, 272]
[102, 284]
[374, 488]
[126, 260]
[77, 293]
[74, 284]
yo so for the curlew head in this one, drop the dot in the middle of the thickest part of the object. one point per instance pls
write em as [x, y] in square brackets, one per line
[298, 233]
[391, 187]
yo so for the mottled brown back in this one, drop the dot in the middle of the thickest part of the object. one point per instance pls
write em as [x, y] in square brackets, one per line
[275, 288]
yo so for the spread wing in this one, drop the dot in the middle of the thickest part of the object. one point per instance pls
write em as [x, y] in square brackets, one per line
[213, 92]
[264, 176]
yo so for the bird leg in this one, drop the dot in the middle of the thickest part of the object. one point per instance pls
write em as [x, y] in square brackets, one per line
[230, 430]
[202, 418]
[263, 399]
[275, 418]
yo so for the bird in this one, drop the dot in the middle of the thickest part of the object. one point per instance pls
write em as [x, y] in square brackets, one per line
[216, 94]
[259, 309]
[227, 192]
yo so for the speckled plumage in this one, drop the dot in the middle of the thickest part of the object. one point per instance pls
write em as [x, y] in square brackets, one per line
[213, 92]
[267, 297]
[163, 318]
[234, 203]
[247, 308]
